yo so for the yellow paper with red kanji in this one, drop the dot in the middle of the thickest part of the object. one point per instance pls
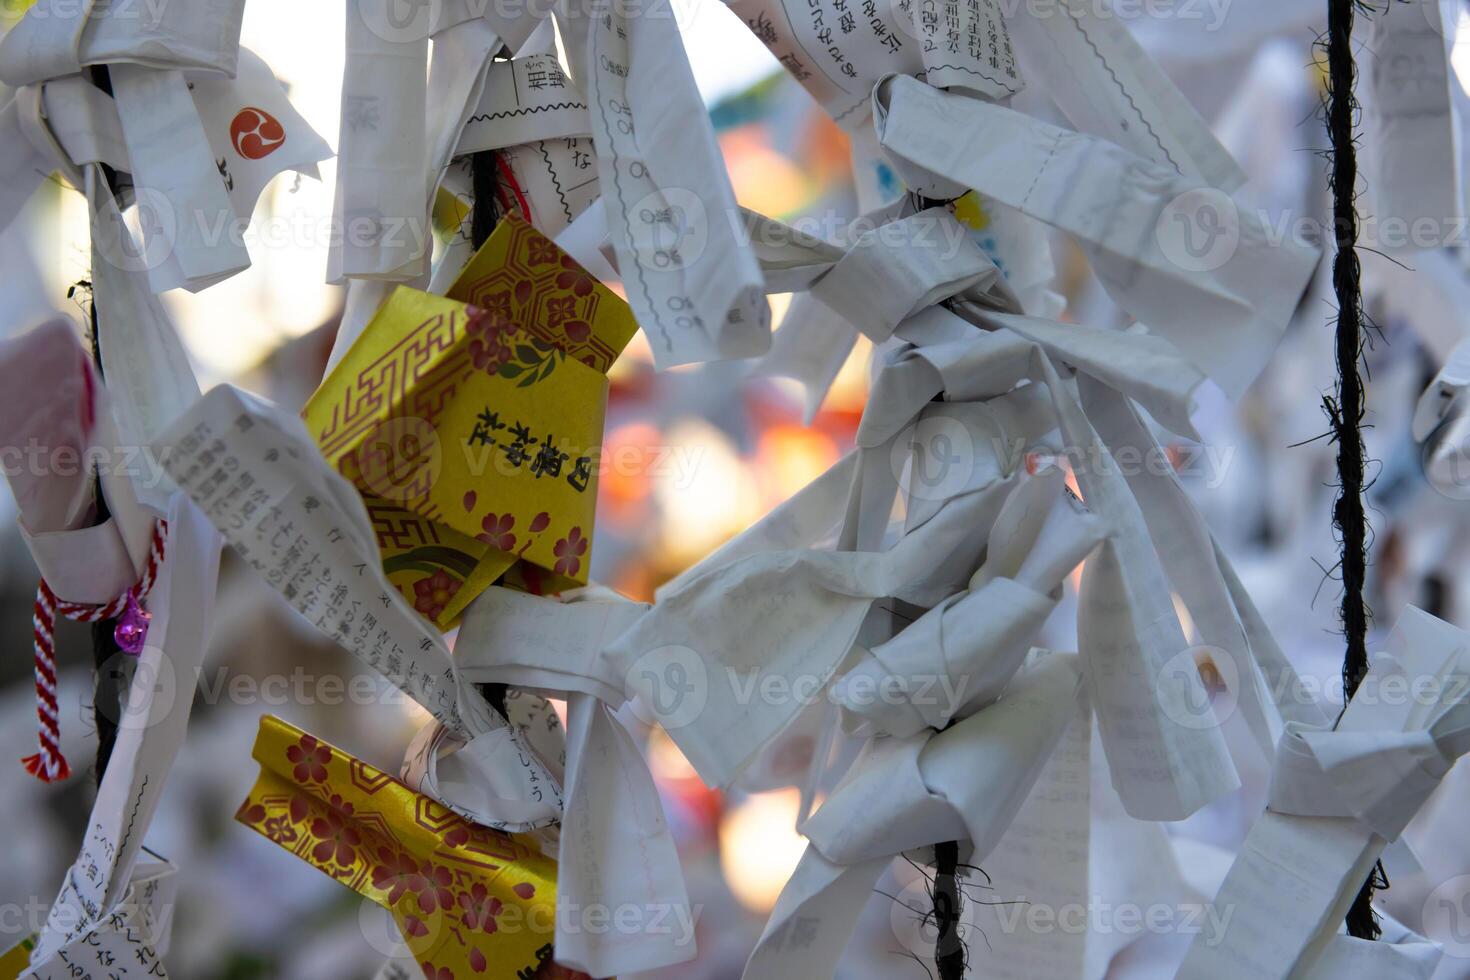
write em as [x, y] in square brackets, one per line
[470, 900]
[472, 423]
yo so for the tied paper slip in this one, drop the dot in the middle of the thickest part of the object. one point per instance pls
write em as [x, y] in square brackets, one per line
[785, 616]
[872, 282]
[979, 636]
[1413, 127]
[150, 731]
[175, 175]
[383, 153]
[150, 379]
[179, 168]
[615, 847]
[532, 115]
[525, 100]
[250, 133]
[1337, 797]
[838, 49]
[61, 126]
[399, 130]
[1107, 85]
[1163, 769]
[254, 131]
[256, 474]
[60, 37]
[1042, 861]
[1178, 255]
[127, 944]
[688, 273]
[967, 784]
[250, 125]
[1129, 633]
[467, 899]
[472, 423]
[1197, 577]
[552, 182]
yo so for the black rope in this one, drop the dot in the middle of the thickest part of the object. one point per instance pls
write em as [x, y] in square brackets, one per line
[949, 949]
[109, 691]
[110, 684]
[1346, 407]
[485, 186]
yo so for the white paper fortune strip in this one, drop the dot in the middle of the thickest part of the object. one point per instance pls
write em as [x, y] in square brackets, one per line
[696, 291]
[615, 850]
[1338, 796]
[257, 474]
[150, 732]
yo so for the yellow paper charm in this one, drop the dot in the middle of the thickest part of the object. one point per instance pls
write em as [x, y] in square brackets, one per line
[472, 903]
[472, 423]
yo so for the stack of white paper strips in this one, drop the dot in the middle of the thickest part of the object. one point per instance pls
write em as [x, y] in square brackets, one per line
[906, 589]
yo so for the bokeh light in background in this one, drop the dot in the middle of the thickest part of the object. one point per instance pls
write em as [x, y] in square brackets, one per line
[230, 327]
[682, 473]
[691, 456]
[759, 847]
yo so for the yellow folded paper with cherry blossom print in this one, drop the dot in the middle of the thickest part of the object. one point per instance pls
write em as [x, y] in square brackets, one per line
[472, 423]
[528, 282]
[472, 903]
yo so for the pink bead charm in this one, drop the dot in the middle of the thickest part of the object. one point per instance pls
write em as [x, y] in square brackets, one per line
[132, 628]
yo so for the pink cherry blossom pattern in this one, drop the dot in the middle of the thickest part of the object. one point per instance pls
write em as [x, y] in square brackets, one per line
[279, 829]
[477, 960]
[497, 531]
[480, 908]
[572, 276]
[338, 839]
[540, 522]
[569, 551]
[432, 594]
[492, 333]
[525, 890]
[442, 973]
[250, 812]
[310, 758]
[490, 355]
[415, 927]
[396, 873]
[436, 893]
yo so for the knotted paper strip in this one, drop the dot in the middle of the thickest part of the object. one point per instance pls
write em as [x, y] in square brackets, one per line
[1337, 797]
[258, 476]
[615, 848]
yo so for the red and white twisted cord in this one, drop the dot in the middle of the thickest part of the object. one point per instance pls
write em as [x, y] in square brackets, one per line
[49, 764]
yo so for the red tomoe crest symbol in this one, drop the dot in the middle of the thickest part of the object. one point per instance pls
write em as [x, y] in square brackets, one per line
[255, 133]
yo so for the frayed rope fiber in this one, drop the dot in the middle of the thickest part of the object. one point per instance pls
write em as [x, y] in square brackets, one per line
[949, 950]
[1345, 408]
